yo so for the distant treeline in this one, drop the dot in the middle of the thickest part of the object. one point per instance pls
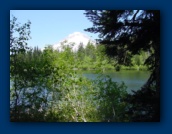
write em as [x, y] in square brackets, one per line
[92, 57]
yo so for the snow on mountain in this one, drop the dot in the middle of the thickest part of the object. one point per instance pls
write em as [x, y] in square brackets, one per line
[74, 40]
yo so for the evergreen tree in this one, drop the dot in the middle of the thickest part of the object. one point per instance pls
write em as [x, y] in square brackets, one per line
[126, 33]
[81, 52]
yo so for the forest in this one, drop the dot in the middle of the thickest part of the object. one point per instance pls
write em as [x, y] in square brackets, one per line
[45, 86]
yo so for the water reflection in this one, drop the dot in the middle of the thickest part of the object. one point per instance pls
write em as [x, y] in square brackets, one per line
[134, 80]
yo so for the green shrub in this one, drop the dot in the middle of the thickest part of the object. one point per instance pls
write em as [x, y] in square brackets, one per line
[110, 96]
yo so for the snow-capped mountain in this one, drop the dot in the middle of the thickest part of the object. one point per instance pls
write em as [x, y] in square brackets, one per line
[74, 40]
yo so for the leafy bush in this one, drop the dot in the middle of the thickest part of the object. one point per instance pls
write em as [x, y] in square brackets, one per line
[110, 97]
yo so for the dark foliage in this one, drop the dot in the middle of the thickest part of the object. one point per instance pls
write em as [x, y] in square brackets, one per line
[128, 32]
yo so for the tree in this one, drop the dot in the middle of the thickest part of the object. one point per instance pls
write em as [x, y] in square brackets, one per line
[19, 35]
[126, 33]
[90, 51]
[81, 52]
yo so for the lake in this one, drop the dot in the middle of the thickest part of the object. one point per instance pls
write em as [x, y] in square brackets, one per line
[133, 79]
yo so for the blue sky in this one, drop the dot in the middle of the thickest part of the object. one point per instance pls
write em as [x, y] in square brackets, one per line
[51, 26]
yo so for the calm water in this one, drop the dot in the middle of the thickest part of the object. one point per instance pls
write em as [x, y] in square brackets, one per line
[133, 79]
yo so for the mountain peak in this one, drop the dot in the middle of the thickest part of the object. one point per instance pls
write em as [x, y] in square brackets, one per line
[75, 39]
